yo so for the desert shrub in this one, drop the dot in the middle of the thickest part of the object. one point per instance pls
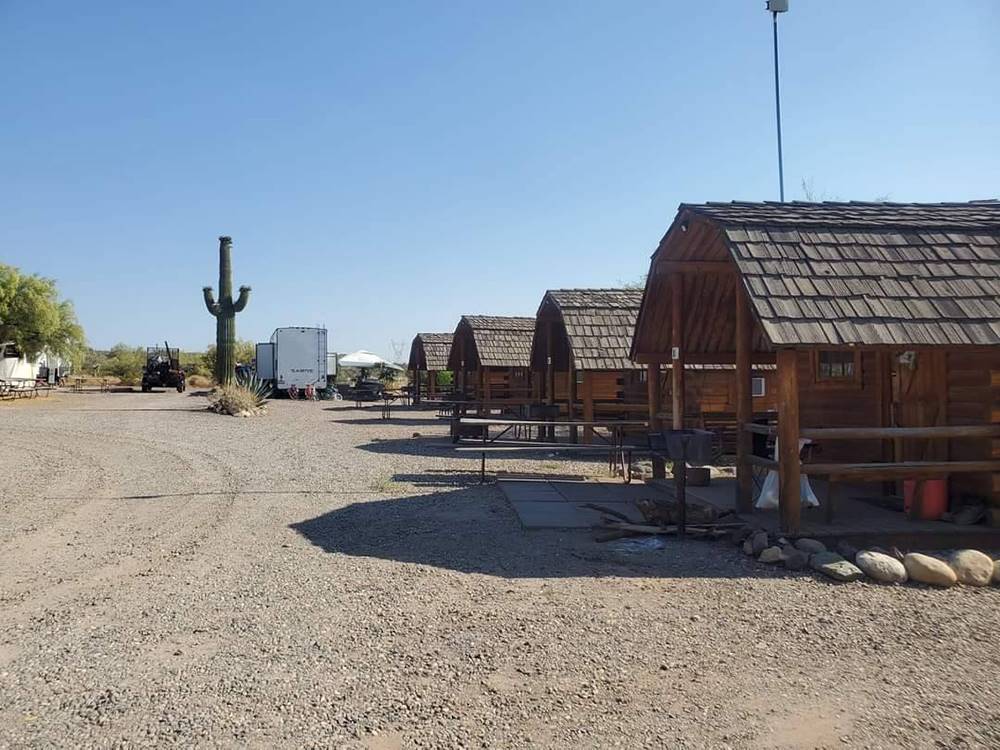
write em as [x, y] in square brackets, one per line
[125, 363]
[200, 381]
[193, 363]
[234, 400]
[247, 395]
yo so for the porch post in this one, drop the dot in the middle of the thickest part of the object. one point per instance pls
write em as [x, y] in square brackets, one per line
[677, 355]
[431, 382]
[416, 385]
[653, 397]
[789, 471]
[588, 405]
[744, 404]
[550, 374]
[574, 435]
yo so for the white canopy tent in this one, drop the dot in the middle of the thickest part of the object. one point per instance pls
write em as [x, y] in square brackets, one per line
[366, 360]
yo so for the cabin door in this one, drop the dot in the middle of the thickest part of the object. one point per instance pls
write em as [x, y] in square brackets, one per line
[920, 399]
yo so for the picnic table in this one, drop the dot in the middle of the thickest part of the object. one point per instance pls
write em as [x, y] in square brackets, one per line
[613, 443]
[390, 397]
[13, 388]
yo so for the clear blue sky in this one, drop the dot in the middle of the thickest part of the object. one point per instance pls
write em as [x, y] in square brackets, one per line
[386, 167]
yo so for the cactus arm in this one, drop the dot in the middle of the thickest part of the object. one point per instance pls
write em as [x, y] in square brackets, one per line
[241, 302]
[210, 303]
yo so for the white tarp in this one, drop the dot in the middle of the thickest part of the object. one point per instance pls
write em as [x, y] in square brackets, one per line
[366, 360]
[768, 498]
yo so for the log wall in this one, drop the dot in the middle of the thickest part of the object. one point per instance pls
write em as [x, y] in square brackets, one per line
[973, 393]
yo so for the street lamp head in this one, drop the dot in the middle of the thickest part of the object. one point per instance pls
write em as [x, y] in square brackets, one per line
[777, 6]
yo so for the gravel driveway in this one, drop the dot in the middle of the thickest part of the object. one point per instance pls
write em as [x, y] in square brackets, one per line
[318, 578]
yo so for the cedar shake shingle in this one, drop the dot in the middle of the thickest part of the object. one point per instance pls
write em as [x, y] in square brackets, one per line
[429, 351]
[599, 325]
[900, 274]
[499, 341]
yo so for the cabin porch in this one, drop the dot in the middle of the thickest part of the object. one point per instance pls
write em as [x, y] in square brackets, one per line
[864, 516]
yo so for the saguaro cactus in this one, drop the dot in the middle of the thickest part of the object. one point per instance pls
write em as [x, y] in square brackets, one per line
[225, 313]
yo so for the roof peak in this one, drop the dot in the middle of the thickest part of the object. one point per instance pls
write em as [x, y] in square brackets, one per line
[980, 214]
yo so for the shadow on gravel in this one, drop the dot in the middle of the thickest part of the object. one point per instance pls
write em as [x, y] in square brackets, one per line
[125, 410]
[439, 478]
[472, 530]
[403, 421]
[439, 445]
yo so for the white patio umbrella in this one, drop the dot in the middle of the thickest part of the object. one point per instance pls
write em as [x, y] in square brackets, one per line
[366, 360]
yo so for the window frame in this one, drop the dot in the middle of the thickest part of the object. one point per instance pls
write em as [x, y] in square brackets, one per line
[837, 381]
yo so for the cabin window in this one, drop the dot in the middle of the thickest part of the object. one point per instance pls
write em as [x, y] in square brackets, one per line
[757, 387]
[837, 366]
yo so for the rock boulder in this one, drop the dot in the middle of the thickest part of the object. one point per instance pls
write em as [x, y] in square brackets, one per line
[930, 570]
[834, 566]
[758, 542]
[972, 568]
[795, 559]
[771, 555]
[810, 546]
[881, 567]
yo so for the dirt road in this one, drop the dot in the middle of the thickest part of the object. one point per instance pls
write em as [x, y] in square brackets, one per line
[318, 578]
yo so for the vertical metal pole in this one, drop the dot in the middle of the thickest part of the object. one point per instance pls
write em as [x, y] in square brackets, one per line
[777, 110]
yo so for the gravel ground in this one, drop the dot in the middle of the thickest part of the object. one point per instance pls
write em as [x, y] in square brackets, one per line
[318, 578]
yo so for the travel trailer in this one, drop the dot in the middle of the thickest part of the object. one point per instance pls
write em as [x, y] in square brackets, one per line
[294, 357]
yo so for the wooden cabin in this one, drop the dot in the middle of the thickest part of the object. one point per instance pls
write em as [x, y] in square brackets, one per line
[580, 353]
[491, 359]
[428, 357]
[883, 321]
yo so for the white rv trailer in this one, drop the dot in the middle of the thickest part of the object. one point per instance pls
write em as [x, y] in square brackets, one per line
[15, 369]
[19, 371]
[294, 356]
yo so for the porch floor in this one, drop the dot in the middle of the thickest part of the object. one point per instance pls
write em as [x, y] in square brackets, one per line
[858, 518]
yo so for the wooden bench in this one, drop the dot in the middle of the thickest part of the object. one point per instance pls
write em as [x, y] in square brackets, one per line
[18, 388]
[619, 459]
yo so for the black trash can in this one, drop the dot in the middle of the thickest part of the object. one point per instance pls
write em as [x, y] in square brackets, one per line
[691, 446]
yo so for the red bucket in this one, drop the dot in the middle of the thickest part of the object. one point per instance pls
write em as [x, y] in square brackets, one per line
[935, 499]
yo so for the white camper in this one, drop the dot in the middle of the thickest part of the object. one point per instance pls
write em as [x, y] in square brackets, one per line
[20, 372]
[294, 356]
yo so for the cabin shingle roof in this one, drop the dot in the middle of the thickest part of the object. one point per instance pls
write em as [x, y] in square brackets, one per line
[435, 347]
[599, 325]
[501, 341]
[901, 274]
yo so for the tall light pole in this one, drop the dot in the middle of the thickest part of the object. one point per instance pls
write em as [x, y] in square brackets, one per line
[775, 7]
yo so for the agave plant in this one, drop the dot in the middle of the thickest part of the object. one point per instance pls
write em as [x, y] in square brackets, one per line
[261, 389]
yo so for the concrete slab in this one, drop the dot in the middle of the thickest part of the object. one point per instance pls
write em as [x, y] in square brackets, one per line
[555, 504]
[565, 515]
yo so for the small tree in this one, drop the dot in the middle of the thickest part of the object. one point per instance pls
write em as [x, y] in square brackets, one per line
[125, 363]
[35, 319]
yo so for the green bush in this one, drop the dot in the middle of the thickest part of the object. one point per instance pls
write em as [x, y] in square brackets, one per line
[125, 363]
[244, 353]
